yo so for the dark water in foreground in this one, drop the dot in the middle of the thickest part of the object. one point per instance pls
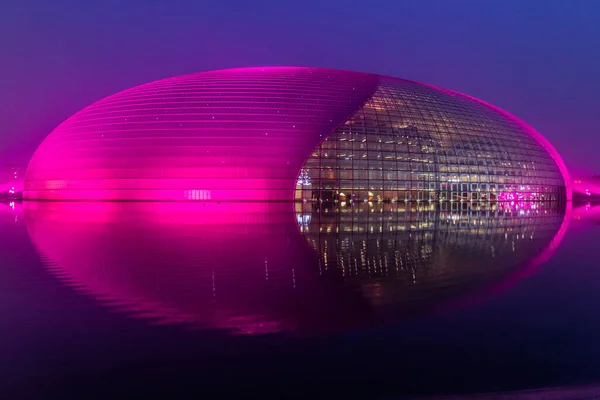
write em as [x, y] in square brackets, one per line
[105, 299]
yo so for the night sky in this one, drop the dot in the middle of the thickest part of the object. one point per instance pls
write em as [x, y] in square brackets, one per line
[538, 59]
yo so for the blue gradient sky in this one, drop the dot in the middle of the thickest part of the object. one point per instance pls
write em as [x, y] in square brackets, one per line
[538, 59]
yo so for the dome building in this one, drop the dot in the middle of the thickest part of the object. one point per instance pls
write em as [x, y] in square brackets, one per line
[294, 133]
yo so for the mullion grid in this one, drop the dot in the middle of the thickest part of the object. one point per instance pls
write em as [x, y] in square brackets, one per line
[446, 145]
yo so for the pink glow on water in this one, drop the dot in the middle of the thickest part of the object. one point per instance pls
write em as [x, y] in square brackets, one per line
[117, 271]
[208, 266]
[245, 267]
[587, 213]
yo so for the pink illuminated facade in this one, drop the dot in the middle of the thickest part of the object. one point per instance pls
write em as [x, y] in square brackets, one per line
[294, 133]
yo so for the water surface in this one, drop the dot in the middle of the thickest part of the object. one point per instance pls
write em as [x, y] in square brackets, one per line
[376, 299]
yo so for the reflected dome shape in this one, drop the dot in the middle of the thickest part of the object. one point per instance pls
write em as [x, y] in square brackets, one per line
[254, 268]
[409, 257]
[294, 133]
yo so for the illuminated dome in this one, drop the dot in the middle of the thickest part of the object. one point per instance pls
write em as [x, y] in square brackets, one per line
[292, 133]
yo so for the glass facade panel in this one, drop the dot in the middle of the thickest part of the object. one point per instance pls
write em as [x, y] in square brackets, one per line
[414, 142]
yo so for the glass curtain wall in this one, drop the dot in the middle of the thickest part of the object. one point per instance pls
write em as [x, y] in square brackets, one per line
[414, 143]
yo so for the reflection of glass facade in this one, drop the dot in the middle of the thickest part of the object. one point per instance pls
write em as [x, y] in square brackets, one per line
[408, 254]
[383, 239]
[288, 133]
[413, 142]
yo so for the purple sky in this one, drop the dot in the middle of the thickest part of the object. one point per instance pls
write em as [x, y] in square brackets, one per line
[538, 59]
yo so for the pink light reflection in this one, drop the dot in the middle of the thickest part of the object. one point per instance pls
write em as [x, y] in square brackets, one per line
[227, 266]
[247, 268]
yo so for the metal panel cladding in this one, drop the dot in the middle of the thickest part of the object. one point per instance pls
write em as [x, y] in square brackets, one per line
[239, 134]
[294, 133]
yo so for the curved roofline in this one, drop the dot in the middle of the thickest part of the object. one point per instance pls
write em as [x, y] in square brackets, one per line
[272, 70]
[542, 141]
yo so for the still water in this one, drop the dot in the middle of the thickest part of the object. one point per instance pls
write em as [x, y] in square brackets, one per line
[102, 299]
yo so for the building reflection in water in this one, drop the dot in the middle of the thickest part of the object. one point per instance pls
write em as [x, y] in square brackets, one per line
[587, 212]
[408, 257]
[271, 267]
